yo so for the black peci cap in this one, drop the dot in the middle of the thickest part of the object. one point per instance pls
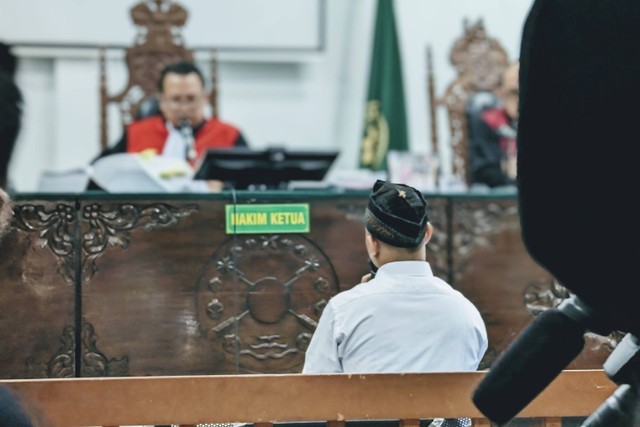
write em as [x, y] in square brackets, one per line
[397, 214]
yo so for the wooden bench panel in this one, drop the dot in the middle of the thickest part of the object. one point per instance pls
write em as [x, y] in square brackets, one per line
[279, 398]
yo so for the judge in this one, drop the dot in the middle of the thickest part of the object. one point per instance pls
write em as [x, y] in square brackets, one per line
[180, 129]
[492, 136]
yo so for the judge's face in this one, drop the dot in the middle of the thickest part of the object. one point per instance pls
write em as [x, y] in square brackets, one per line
[182, 98]
[509, 90]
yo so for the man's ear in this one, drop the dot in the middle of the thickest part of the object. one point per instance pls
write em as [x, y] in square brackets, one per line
[427, 234]
[373, 245]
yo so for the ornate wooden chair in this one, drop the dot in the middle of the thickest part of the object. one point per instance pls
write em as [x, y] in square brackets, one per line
[158, 43]
[480, 62]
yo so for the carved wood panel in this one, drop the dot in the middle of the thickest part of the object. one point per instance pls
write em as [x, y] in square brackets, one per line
[37, 292]
[185, 297]
[493, 269]
[261, 298]
[438, 247]
[165, 291]
[139, 280]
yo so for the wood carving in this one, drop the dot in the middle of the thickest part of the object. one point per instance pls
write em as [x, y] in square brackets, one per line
[545, 294]
[5, 212]
[94, 362]
[438, 247]
[56, 229]
[474, 227]
[214, 303]
[479, 61]
[262, 298]
[112, 227]
[158, 43]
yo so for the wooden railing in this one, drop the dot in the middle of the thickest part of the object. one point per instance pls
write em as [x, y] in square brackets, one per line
[265, 399]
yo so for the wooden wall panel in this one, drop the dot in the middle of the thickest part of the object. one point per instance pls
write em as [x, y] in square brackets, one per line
[159, 288]
[140, 282]
[37, 291]
[492, 268]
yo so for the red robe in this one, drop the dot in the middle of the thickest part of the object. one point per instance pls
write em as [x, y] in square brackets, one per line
[152, 133]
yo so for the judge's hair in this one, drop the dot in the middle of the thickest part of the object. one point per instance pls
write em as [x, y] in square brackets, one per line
[182, 68]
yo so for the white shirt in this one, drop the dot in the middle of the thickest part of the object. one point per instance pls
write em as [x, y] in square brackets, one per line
[403, 320]
[176, 145]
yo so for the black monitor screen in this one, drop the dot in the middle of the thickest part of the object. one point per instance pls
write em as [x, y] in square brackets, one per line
[270, 168]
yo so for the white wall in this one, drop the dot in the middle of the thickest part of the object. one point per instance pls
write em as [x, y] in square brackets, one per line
[82, 22]
[296, 99]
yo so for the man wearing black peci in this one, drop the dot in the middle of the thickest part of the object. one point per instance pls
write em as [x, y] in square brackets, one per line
[404, 319]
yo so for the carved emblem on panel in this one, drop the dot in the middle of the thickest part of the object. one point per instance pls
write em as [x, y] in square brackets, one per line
[474, 224]
[156, 20]
[260, 299]
[478, 58]
[55, 229]
[158, 43]
[548, 293]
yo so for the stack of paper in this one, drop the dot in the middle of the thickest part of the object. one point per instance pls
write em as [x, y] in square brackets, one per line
[137, 173]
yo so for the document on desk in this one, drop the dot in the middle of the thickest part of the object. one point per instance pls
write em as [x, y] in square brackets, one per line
[136, 173]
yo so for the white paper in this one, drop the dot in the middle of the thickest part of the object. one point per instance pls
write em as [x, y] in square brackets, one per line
[133, 173]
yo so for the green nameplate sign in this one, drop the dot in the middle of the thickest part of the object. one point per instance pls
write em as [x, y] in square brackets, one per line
[260, 219]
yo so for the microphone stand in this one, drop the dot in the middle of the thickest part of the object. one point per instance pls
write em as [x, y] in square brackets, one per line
[536, 358]
[622, 366]
[187, 134]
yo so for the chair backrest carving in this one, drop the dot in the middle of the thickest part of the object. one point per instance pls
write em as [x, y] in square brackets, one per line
[158, 43]
[480, 62]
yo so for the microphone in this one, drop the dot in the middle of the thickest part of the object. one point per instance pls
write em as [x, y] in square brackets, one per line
[577, 167]
[187, 133]
[623, 362]
[623, 407]
[620, 409]
[533, 360]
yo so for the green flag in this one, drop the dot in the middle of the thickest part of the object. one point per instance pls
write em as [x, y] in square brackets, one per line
[385, 118]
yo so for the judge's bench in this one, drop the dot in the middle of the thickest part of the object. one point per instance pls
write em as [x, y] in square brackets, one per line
[100, 284]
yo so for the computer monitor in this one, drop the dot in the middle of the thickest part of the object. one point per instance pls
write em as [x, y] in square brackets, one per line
[271, 168]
